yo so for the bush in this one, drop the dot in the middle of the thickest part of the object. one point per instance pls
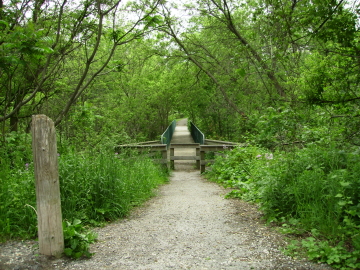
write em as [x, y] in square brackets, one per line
[96, 187]
[77, 239]
[105, 186]
[315, 189]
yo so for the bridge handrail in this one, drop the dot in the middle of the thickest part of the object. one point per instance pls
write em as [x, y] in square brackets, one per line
[197, 135]
[167, 135]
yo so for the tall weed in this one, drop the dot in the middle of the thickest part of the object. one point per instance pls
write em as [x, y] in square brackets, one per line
[105, 186]
[17, 187]
[95, 187]
[314, 190]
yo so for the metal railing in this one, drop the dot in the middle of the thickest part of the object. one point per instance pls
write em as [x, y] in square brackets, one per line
[197, 135]
[167, 135]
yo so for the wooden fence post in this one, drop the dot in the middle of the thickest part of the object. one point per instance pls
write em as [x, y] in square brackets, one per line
[164, 157]
[172, 162]
[202, 161]
[50, 231]
[198, 161]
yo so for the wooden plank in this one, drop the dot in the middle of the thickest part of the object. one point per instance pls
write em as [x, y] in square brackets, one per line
[202, 158]
[50, 231]
[161, 161]
[165, 158]
[142, 143]
[198, 160]
[208, 161]
[184, 145]
[154, 147]
[216, 142]
[214, 148]
[172, 164]
[149, 143]
[184, 158]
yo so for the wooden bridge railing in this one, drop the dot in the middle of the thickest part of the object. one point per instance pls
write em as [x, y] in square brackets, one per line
[212, 148]
[151, 147]
[195, 146]
[196, 134]
[200, 150]
[167, 135]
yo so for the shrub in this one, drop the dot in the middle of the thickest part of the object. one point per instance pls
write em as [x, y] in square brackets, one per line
[314, 190]
[96, 187]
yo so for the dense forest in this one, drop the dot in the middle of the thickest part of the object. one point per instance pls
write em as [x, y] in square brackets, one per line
[282, 76]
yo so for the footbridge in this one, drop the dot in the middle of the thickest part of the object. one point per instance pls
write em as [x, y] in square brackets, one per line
[181, 148]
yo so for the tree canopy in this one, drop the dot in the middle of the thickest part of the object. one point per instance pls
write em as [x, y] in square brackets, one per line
[96, 66]
[281, 77]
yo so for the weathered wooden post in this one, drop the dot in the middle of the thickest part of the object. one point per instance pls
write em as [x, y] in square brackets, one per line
[198, 161]
[164, 157]
[50, 232]
[202, 161]
[172, 154]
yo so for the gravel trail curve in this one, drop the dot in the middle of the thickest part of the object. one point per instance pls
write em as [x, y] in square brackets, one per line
[189, 225]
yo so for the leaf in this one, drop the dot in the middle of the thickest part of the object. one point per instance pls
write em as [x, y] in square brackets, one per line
[4, 23]
[77, 255]
[345, 184]
[241, 72]
[74, 243]
[69, 232]
[76, 222]
[342, 203]
[68, 251]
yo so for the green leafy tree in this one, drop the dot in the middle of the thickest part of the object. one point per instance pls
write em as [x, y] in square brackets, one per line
[37, 49]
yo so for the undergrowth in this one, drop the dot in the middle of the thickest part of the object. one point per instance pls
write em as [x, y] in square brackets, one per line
[77, 239]
[312, 192]
[97, 186]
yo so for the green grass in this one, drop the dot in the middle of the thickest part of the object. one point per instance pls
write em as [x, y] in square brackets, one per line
[96, 187]
[104, 187]
[17, 197]
[315, 190]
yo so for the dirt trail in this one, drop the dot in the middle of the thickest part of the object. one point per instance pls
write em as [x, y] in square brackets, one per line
[189, 225]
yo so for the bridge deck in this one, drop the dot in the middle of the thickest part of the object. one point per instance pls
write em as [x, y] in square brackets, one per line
[182, 135]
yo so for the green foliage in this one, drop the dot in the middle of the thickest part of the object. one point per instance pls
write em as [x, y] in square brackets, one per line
[104, 186]
[240, 169]
[311, 190]
[322, 251]
[15, 150]
[96, 187]
[294, 178]
[21, 44]
[276, 126]
[77, 239]
[17, 197]
[17, 187]
[291, 68]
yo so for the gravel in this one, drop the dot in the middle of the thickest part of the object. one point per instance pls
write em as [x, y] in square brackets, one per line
[189, 225]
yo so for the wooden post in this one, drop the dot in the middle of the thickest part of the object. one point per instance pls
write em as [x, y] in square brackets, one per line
[50, 231]
[172, 153]
[198, 161]
[202, 161]
[164, 157]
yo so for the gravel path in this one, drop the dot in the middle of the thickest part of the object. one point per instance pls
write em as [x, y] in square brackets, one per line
[189, 225]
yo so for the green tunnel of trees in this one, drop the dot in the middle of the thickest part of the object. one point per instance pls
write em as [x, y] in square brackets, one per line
[277, 72]
[282, 75]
